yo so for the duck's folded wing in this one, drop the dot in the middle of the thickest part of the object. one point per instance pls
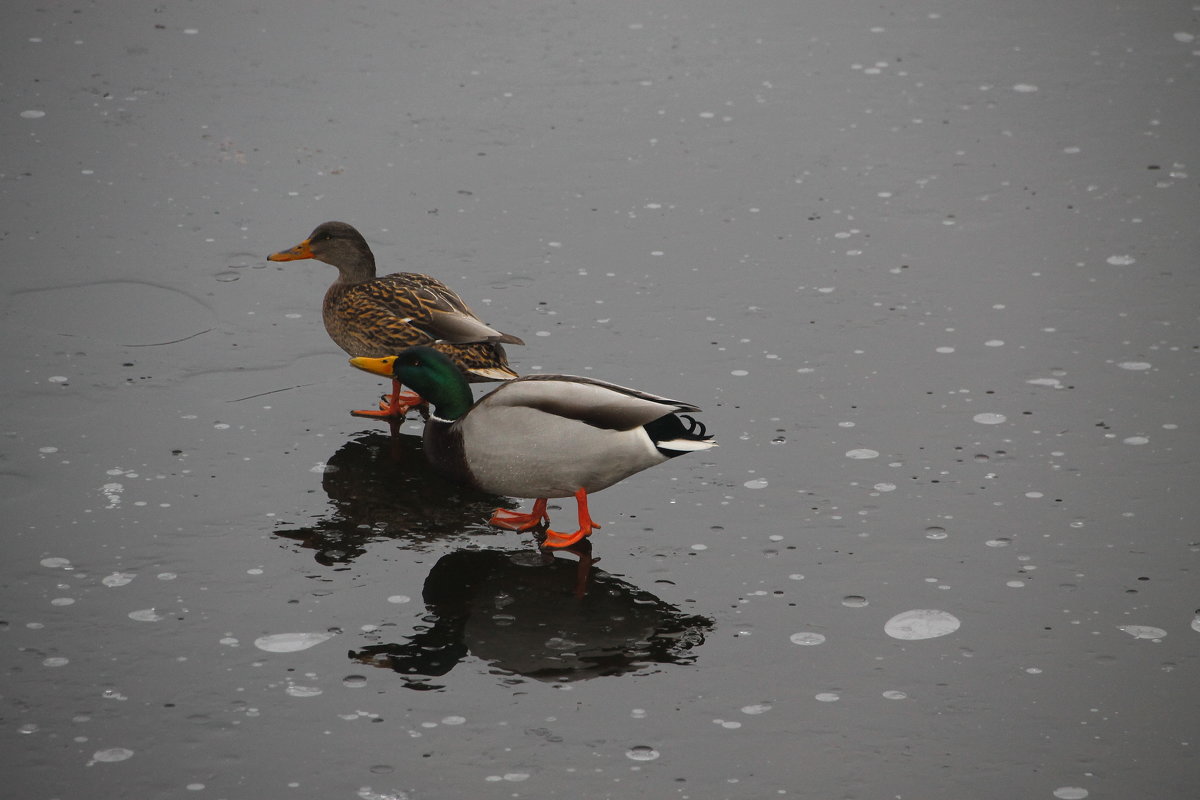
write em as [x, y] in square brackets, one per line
[595, 403]
[426, 304]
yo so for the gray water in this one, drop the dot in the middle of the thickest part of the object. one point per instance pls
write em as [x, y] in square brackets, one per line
[930, 269]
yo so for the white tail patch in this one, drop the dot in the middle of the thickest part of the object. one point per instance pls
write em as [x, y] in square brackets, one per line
[686, 445]
[492, 373]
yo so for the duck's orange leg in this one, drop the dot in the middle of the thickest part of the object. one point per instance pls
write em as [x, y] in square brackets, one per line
[393, 406]
[586, 525]
[516, 521]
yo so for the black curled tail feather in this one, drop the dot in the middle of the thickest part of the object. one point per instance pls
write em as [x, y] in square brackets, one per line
[695, 428]
[676, 428]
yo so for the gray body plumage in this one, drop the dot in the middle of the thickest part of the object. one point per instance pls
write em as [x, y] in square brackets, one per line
[550, 435]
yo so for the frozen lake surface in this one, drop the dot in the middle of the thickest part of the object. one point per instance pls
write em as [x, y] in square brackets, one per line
[930, 270]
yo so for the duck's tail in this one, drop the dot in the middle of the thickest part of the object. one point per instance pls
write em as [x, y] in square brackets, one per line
[676, 434]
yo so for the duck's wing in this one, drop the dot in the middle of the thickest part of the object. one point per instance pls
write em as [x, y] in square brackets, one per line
[596, 403]
[409, 308]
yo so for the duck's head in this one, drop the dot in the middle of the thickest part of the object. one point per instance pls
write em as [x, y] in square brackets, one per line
[427, 372]
[336, 243]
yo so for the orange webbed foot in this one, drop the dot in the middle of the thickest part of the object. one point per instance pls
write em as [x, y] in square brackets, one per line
[516, 521]
[393, 406]
[586, 525]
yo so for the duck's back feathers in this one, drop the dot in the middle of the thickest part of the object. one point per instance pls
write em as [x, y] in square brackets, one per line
[596, 403]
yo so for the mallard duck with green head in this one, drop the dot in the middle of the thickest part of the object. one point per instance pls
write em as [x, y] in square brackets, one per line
[541, 436]
[375, 316]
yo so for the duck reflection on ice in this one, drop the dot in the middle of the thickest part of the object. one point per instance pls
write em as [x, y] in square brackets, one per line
[521, 611]
[381, 488]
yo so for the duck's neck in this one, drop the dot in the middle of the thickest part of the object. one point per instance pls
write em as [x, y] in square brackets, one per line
[363, 269]
[451, 401]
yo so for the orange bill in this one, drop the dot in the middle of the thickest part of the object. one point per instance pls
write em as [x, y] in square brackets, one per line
[379, 366]
[300, 251]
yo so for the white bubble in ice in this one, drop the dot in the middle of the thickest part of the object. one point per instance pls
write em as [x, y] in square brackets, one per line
[112, 755]
[399, 598]
[59, 379]
[862, 453]
[56, 661]
[33, 113]
[1024, 88]
[145, 615]
[1070, 793]
[1135, 366]
[1136, 440]
[1143, 631]
[988, 418]
[885, 487]
[642, 752]
[1053, 383]
[756, 483]
[894, 694]
[807, 638]
[56, 563]
[1196, 623]
[118, 579]
[1121, 261]
[756, 708]
[921, 623]
[367, 793]
[304, 691]
[291, 642]
[828, 697]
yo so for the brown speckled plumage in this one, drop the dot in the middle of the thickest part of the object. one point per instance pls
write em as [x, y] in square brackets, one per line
[372, 316]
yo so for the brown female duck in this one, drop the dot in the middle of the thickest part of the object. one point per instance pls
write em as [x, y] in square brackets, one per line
[372, 316]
